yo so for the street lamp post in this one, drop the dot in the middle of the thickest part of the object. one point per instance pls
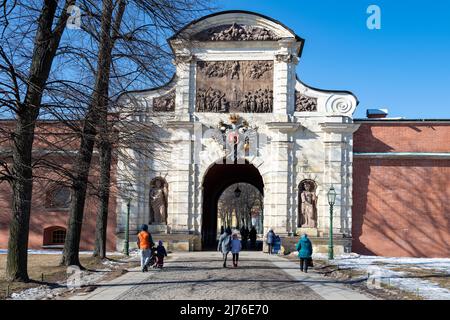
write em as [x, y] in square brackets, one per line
[331, 200]
[127, 229]
[127, 189]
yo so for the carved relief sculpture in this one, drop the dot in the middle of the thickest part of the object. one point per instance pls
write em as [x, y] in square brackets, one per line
[304, 103]
[308, 200]
[158, 201]
[236, 32]
[234, 86]
[165, 103]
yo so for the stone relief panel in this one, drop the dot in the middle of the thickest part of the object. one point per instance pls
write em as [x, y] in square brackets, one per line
[236, 32]
[234, 86]
[165, 103]
[304, 103]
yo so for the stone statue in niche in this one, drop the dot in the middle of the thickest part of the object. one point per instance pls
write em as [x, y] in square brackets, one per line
[236, 32]
[234, 86]
[164, 103]
[158, 201]
[308, 205]
[304, 103]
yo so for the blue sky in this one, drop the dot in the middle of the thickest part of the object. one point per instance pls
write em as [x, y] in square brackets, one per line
[404, 66]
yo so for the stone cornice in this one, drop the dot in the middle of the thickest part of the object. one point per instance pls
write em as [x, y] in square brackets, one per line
[339, 127]
[283, 126]
[181, 124]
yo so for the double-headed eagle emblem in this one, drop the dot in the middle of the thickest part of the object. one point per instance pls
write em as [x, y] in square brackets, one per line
[236, 137]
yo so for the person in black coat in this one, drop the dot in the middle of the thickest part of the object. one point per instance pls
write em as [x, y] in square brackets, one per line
[160, 254]
[244, 237]
[253, 234]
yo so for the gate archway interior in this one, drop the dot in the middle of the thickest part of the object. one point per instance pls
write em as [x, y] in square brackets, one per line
[218, 178]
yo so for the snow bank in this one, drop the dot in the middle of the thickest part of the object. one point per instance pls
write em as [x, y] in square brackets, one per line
[381, 269]
[84, 278]
[4, 251]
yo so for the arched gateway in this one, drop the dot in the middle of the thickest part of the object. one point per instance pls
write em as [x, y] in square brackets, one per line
[219, 177]
[236, 96]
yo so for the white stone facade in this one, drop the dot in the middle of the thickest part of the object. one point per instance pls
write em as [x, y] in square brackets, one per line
[300, 145]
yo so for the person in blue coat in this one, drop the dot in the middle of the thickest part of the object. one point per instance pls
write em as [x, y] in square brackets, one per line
[304, 248]
[270, 240]
[224, 245]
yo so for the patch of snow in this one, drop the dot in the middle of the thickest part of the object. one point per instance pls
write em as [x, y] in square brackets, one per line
[380, 269]
[83, 278]
[33, 251]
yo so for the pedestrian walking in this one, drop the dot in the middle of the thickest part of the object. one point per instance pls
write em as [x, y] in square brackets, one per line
[236, 247]
[244, 236]
[160, 254]
[224, 245]
[145, 243]
[304, 248]
[270, 240]
[253, 234]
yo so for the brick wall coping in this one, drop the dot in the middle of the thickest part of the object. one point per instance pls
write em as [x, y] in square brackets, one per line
[398, 120]
[403, 155]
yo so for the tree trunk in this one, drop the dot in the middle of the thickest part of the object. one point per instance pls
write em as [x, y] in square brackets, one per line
[82, 165]
[45, 45]
[102, 214]
[96, 114]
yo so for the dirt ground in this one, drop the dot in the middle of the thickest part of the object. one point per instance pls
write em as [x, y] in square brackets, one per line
[44, 269]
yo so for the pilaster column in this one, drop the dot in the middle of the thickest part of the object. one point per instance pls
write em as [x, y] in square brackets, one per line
[338, 169]
[278, 182]
[185, 88]
[180, 204]
[284, 79]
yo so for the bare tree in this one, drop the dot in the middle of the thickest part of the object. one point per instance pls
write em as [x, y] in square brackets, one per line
[130, 53]
[22, 83]
[250, 198]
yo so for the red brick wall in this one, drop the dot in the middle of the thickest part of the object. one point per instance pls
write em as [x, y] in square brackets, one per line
[401, 207]
[52, 136]
[42, 218]
[402, 137]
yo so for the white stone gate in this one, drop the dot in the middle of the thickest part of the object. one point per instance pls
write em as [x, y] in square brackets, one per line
[295, 132]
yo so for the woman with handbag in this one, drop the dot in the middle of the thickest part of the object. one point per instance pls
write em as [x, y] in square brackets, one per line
[304, 248]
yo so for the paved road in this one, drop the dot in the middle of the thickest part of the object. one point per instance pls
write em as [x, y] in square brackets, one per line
[200, 275]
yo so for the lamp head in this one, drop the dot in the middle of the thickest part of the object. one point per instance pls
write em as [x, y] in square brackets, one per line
[331, 196]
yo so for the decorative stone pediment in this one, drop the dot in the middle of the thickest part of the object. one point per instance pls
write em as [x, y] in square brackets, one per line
[229, 26]
[236, 32]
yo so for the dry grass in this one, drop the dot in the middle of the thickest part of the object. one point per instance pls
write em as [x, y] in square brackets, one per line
[45, 269]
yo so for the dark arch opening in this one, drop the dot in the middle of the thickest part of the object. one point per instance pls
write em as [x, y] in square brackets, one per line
[216, 180]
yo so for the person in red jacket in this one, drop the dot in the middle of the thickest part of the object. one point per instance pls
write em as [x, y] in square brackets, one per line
[145, 243]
